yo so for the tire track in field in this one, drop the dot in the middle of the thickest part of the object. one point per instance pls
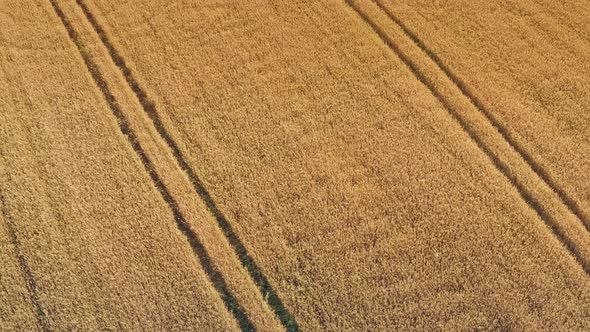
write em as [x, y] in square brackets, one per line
[503, 130]
[42, 319]
[268, 293]
[502, 167]
[200, 251]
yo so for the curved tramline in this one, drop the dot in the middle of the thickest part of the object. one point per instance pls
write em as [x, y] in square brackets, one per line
[11, 239]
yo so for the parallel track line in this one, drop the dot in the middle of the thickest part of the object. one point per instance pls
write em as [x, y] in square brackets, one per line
[200, 251]
[499, 164]
[268, 293]
[503, 130]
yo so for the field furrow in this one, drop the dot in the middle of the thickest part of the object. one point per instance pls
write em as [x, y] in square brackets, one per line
[356, 193]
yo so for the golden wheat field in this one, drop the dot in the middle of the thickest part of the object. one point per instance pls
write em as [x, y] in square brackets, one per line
[337, 165]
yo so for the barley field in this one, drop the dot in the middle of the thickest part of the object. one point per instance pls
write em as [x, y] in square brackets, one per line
[338, 165]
